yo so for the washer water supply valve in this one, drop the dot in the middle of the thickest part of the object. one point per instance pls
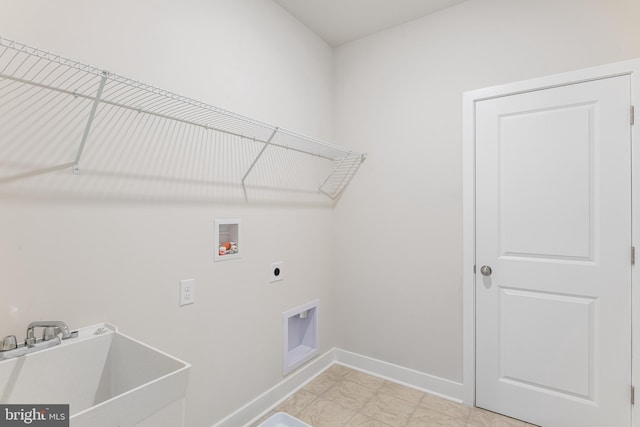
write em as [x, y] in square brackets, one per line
[228, 248]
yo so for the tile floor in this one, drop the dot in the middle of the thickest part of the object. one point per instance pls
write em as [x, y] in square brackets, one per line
[341, 396]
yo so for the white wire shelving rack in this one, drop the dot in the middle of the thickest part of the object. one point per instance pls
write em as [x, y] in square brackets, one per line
[43, 95]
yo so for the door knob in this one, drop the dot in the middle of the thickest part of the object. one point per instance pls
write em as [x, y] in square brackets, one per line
[486, 270]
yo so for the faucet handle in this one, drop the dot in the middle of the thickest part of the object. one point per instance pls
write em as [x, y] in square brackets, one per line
[9, 343]
[49, 333]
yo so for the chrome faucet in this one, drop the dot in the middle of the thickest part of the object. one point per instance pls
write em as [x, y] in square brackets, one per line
[51, 329]
[53, 333]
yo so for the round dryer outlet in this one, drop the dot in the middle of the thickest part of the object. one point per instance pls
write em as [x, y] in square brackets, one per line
[276, 273]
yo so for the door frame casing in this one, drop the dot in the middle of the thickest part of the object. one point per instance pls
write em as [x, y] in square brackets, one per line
[470, 98]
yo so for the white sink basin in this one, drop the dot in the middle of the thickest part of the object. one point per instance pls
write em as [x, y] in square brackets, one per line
[108, 379]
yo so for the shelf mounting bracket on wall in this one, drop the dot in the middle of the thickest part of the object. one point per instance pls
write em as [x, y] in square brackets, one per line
[342, 174]
[75, 168]
[266, 144]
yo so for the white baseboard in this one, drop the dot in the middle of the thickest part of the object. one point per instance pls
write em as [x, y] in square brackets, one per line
[428, 383]
[261, 405]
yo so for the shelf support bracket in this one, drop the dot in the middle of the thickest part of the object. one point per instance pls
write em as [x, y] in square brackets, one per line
[74, 166]
[266, 144]
[346, 178]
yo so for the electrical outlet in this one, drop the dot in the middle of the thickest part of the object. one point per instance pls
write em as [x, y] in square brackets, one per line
[187, 291]
[276, 273]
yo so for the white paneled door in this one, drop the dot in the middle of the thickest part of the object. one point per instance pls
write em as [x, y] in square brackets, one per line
[553, 254]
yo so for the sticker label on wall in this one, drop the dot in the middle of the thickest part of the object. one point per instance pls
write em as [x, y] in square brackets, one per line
[34, 415]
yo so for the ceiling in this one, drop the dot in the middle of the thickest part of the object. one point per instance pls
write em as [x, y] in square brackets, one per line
[342, 21]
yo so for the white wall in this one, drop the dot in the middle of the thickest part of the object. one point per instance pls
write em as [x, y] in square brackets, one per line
[84, 258]
[399, 98]
[394, 240]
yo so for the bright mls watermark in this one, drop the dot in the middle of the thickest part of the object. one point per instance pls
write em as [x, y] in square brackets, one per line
[34, 415]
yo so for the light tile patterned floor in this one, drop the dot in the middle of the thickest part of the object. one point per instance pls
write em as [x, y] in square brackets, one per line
[345, 397]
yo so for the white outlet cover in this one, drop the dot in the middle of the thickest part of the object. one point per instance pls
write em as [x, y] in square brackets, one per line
[276, 272]
[187, 291]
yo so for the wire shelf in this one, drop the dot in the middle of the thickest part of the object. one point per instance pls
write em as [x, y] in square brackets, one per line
[66, 107]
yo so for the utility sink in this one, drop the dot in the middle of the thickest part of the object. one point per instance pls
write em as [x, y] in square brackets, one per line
[107, 378]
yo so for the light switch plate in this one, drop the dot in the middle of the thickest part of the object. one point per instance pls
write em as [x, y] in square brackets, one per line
[187, 291]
